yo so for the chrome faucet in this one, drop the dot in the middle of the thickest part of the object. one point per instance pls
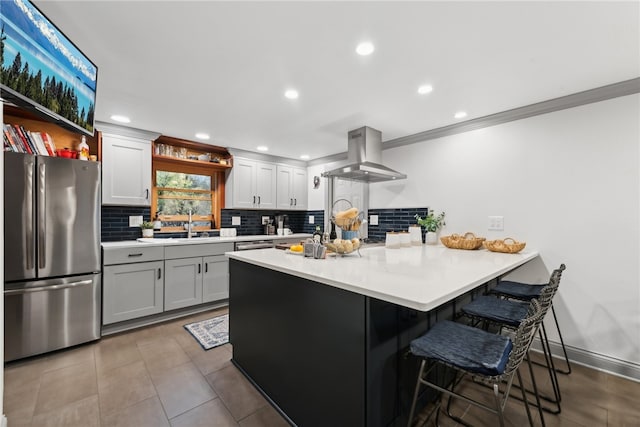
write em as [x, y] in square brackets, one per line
[190, 225]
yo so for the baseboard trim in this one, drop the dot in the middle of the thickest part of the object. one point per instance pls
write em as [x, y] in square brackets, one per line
[3, 421]
[593, 360]
[128, 325]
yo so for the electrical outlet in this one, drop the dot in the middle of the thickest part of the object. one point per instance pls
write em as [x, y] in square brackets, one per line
[265, 220]
[236, 220]
[312, 219]
[496, 223]
[135, 221]
[373, 219]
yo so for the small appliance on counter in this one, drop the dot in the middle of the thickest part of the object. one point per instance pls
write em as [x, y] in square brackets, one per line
[269, 228]
[282, 223]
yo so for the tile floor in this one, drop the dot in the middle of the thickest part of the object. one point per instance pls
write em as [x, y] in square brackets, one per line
[590, 398]
[160, 376]
[156, 376]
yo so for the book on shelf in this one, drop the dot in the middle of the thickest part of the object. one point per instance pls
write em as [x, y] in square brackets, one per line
[42, 149]
[48, 141]
[18, 139]
[7, 136]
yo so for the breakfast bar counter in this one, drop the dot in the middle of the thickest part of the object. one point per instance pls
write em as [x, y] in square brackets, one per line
[326, 340]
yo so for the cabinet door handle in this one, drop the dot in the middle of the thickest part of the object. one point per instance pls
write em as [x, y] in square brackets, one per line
[147, 194]
[199, 268]
[159, 273]
[254, 200]
[206, 267]
[295, 202]
[134, 255]
[258, 199]
[290, 202]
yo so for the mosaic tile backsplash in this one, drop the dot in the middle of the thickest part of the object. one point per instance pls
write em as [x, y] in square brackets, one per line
[393, 220]
[115, 221]
[251, 220]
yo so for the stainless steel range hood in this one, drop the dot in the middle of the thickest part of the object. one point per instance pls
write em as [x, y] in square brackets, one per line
[364, 158]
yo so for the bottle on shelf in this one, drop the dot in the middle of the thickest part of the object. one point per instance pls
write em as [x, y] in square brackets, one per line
[317, 235]
[83, 149]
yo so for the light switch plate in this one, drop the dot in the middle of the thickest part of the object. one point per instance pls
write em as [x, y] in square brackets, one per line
[373, 219]
[135, 221]
[235, 220]
[312, 219]
[265, 220]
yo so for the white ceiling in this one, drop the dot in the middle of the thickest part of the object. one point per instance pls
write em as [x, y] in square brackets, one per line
[179, 67]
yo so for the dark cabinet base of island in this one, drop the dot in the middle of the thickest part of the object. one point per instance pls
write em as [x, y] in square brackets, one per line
[324, 356]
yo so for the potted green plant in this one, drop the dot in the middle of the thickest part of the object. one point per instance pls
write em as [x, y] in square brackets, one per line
[147, 229]
[432, 224]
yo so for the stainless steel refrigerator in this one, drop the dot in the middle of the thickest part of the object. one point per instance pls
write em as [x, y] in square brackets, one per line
[52, 290]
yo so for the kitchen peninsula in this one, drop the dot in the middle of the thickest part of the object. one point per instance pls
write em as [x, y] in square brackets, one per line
[326, 340]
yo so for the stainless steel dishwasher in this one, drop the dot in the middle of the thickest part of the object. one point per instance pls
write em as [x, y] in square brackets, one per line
[256, 244]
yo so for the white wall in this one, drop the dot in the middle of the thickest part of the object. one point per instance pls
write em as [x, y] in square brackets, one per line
[568, 184]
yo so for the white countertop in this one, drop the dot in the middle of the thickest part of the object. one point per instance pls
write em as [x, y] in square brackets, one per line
[420, 277]
[159, 241]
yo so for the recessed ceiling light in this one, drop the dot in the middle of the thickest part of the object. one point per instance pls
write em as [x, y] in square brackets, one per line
[291, 94]
[460, 115]
[262, 148]
[424, 89]
[365, 48]
[120, 119]
[202, 135]
[304, 157]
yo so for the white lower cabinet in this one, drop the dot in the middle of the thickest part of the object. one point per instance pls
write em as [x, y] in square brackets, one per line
[132, 291]
[215, 281]
[140, 281]
[196, 274]
[183, 283]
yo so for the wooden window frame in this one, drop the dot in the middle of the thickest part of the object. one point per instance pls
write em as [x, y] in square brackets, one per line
[217, 193]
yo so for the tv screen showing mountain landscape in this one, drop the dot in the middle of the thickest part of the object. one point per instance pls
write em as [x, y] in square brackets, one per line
[40, 64]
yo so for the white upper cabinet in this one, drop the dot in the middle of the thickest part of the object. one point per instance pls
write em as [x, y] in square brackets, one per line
[126, 170]
[251, 184]
[292, 187]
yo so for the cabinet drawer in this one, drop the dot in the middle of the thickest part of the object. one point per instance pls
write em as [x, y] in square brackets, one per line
[195, 250]
[134, 254]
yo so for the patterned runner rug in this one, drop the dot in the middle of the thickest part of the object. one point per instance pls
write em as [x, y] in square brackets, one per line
[210, 333]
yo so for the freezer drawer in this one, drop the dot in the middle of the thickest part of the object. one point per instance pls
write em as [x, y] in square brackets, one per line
[46, 315]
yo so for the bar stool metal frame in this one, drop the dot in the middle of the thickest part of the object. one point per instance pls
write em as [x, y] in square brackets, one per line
[525, 292]
[509, 313]
[492, 375]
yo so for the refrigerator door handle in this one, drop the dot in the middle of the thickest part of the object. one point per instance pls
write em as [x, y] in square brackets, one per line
[42, 209]
[28, 221]
[48, 288]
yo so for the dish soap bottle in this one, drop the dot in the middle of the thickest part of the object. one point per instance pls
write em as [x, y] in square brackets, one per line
[83, 149]
[157, 224]
[317, 235]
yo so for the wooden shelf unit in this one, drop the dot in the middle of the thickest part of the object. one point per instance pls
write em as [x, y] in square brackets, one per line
[62, 137]
[199, 167]
[193, 149]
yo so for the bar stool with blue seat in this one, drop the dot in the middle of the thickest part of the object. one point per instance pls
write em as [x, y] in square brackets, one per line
[526, 292]
[509, 313]
[488, 357]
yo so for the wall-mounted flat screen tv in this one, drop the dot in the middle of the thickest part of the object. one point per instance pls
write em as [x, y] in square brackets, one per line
[43, 70]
